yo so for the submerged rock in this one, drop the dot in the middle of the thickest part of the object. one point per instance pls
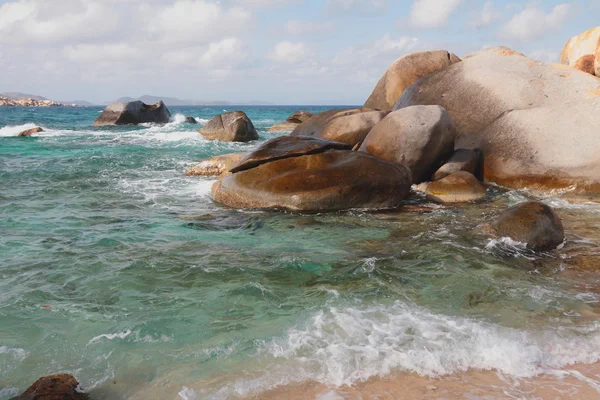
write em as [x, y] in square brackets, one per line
[537, 124]
[230, 127]
[133, 113]
[349, 126]
[215, 166]
[299, 179]
[458, 187]
[55, 387]
[31, 131]
[404, 72]
[421, 137]
[583, 52]
[191, 120]
[469, 160]
[531, 222]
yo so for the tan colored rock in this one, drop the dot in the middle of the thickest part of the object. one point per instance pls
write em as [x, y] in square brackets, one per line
[230, 127]
[284, 127]
[55, 387]
[216, 166]
[349, 126]
[459, 187]
[586, 64]
[31, 131]
[292, 121]
[404, 72]
[587, 43]
[469, 160]
[420, 137]
[537, 124]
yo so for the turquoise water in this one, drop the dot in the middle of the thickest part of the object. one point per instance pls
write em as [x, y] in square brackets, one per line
[119, 269]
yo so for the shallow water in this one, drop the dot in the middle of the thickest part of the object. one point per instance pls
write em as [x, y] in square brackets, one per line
[121, 270]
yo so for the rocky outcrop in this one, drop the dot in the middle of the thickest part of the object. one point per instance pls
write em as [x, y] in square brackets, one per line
[55, 387]
[420, 137]
[302, 180]
[533, 223]
[535, 123]
[31, 131]
[404, 72]
[7, 102]
[458, 187]
[583, 52]
[292, 121]
[230, 127]
[216, 166]
[469, 160]
[191, 120]
[349, 126]
[133, 113]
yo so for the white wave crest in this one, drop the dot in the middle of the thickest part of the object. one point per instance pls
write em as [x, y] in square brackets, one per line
[15, 130]
[15, 353]
[110, 336]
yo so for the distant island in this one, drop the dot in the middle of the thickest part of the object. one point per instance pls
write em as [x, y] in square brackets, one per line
[17, 99]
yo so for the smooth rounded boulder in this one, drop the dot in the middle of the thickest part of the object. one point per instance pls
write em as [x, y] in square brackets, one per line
[404, 72]
[191, 120]
[537, 124]
[469, 160]
[420, 137]
[55, 387]
[216, 166]
[583, 52]
[459, 187]
[350, 126]
[230, 127]
[292, 121]
[330, 180]
[134, 113]
[533, 223]
[30, 132]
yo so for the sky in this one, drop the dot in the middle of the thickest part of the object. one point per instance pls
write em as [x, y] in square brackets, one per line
[279, 51]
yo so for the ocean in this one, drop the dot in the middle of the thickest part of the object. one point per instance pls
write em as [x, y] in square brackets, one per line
[119, 269]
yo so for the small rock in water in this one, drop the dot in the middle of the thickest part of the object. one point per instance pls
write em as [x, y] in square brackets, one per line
[55, 387]
[230, 127]
[533, 223]
[31, 131]
[469, 160]
[191, 120]
[458, 187]
[216, 166]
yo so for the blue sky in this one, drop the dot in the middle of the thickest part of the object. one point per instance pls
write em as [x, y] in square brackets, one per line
[282, 51]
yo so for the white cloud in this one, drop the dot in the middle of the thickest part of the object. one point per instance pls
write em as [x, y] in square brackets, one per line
[545, 55]
[533, 22]
[432, 13]
[290, 52]
[298, 28]
[224, 53]
[102, 53]
[484, 18]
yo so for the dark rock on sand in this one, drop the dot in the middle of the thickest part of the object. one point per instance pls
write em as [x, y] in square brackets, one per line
[536, 123]
[31, 131]
[458, 187]
[404, 72]
[55, 387]
[422, 138]
[230, 127]
[469, 160]
[349, 126]
[216, 166]
[330, 180]
[133, 113]
[531, 222]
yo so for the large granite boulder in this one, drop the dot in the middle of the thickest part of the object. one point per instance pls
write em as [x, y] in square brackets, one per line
[230, 127]
[469, 160]
[55, 387]
[292, 121]
[215, 166]
[404, 72]
[133, 113]
[536, 123]
[458, 187]
[315, 178]
[349, 126]
[533, 223]
[420, 137]
[30, 132]
[583, 50]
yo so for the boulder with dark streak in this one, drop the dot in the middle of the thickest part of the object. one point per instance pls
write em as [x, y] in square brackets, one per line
[133, 113]
[230, 127]
[55, 387]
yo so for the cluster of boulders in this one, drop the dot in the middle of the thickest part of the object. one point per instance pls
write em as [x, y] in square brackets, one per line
[6, 102]
[583, 52]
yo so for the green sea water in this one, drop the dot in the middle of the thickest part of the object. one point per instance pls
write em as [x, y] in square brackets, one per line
[119, 269]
